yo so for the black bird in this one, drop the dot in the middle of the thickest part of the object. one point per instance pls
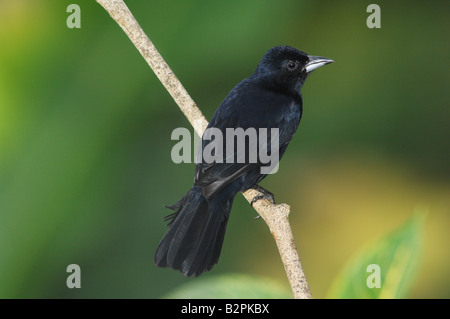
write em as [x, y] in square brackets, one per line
[269, 98]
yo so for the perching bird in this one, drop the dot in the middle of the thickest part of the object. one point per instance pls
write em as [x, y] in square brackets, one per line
[269, 98]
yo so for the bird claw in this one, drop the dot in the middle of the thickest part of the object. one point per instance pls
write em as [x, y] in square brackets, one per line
[265, 194]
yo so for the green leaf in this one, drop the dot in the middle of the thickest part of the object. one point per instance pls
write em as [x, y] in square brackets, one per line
[396, 258]
[230, 286]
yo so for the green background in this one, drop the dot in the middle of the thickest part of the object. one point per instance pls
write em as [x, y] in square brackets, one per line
[85, 126]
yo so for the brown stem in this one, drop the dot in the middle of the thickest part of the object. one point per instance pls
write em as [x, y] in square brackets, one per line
[275, 216]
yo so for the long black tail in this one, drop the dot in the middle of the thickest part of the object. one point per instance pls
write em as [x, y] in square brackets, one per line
[194, 240]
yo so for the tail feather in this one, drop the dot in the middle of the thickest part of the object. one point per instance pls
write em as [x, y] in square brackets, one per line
[187, 235]
[212, 256]
[194, 240]
[199, 259]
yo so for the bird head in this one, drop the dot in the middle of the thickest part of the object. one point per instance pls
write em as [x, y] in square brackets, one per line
[286, 68]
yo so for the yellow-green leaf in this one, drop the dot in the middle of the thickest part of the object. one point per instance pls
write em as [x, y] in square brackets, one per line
[386, 268]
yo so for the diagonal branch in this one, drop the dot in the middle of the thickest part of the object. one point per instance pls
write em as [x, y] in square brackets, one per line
[275, 216]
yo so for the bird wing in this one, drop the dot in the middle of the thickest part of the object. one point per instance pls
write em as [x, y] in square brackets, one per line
[247, 106]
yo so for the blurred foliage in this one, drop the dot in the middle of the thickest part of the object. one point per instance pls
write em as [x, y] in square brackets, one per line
[396, 257]
[85, 127]
[231, 286]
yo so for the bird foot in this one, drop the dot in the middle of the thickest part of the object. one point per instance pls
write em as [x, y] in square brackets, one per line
[265, 194]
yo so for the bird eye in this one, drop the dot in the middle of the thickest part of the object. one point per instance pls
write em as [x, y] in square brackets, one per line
[291, 65]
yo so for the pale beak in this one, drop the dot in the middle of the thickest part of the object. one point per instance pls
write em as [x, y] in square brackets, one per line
[316, 62]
